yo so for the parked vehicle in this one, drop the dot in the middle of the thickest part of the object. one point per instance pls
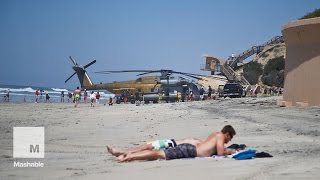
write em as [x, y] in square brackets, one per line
[232, 90]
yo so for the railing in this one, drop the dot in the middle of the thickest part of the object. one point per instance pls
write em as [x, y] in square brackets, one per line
[253, 50]
[231, 75]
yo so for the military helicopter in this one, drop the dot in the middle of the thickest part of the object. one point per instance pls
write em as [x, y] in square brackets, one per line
[148, 86]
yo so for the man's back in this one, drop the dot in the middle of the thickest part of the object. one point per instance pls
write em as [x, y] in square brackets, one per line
[211, 145]
[77, 91]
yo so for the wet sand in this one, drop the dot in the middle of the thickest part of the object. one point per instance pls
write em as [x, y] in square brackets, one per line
[76, 139]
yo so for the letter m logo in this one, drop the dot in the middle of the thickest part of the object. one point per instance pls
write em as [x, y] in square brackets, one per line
[28, 142]
[34, 149]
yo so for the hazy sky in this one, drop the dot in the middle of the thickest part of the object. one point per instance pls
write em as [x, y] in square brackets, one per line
[38, 36]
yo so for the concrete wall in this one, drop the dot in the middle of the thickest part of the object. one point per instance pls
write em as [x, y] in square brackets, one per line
[302, 69]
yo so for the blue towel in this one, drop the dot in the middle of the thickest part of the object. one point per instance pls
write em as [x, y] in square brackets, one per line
[248, 154]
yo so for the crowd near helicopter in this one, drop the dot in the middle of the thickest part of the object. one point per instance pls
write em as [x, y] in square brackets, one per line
[145, 87]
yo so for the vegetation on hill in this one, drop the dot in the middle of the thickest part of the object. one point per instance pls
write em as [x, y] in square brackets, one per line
[267, 69]
[252, 71]
[315, 13]
[273, 72]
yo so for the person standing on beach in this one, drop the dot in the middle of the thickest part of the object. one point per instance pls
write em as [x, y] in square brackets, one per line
[191, 95]
[69, 96]
[137, 98]
[41, 94]
[92, 99]
[47, 97]
[201, 92]
[76, 95]
[62, 96]
[6, 97]
[213, 145]
[37, 95]
[97, 97]
[85, 95]
[110, 101]
[209, 92]
[167, 95]
[184, 92]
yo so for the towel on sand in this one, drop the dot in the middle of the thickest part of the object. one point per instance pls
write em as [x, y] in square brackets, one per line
[239, 155]
[247, 154]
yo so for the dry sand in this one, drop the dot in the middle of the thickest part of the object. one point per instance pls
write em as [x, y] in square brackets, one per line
[75, 139]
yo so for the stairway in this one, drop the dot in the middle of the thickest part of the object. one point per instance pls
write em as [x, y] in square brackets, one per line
[232, 76]
[253, 50]
[227, 68]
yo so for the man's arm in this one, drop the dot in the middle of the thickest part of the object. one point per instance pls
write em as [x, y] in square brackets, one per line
[221, 150]
[220, 145]
[228, 151]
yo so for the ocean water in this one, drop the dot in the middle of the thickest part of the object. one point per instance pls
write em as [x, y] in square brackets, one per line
[27, 93]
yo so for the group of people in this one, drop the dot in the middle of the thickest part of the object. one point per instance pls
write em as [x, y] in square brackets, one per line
[202, 91]
[169, 149]
[94, 97]
[273, 91]
[187, 95]
[40, 92]
[74, 97]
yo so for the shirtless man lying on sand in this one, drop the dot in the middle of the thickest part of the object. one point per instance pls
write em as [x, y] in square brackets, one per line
[213, 145]
[155, 145]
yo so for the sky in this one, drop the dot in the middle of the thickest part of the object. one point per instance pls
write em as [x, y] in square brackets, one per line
[38, 36]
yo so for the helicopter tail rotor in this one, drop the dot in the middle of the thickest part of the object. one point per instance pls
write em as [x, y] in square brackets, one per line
[84, 79]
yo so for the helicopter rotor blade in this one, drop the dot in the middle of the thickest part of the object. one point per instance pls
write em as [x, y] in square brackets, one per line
[122, 71]
[70, 77]
[195, 77]
[102, 72]
[177, 72]
[73, 61]
[149, 72]
[92, 62]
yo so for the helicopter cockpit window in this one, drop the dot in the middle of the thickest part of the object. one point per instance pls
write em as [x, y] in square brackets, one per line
[139, 80]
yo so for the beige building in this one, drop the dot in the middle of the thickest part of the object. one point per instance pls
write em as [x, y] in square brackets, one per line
[302, 69]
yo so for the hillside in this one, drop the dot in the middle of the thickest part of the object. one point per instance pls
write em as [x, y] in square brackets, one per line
[267, 67]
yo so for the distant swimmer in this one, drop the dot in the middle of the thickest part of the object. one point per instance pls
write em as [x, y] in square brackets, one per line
[76, 95]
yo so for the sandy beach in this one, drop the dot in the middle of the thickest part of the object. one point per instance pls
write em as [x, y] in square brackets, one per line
[76, 139]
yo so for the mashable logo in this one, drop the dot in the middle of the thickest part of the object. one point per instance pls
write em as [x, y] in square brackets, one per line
[28, 142]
